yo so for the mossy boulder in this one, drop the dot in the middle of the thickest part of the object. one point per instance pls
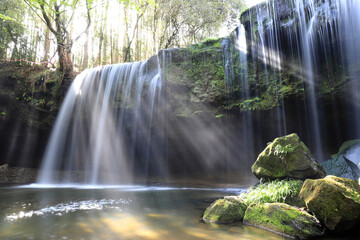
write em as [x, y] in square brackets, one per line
[334, 201]
[283, 219]
[287, 157]
[225, 210]
[341, 167]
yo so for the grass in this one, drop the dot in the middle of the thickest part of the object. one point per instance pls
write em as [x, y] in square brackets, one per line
[270, 192]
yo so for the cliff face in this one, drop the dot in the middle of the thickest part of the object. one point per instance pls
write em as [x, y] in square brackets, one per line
[28, 108]
[299, 73]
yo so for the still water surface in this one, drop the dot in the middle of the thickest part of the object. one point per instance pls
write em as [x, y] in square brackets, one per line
[115, 212]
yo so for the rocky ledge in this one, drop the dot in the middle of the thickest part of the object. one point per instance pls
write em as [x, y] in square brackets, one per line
[17, 175]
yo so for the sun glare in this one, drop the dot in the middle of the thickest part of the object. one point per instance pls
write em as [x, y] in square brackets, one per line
[251, 3]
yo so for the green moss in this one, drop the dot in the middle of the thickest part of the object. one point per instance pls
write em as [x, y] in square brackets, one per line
[200, 67]
[334, 201]
[226, 210]
[206, 45]
[275, 191]
[283, 219]
[286, 157]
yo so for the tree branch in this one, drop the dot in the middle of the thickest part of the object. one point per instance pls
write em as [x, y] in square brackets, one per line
[87, 27]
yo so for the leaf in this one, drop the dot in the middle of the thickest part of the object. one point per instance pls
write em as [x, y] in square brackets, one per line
[151, 2]
[6, 18]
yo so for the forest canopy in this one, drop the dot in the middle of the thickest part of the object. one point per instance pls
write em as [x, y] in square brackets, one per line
[87, 33]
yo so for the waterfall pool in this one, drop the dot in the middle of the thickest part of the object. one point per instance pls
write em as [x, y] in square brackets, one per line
[114, 212]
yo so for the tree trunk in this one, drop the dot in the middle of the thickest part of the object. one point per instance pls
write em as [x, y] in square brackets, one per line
[47, 45]
[63, 48]
[86, 51]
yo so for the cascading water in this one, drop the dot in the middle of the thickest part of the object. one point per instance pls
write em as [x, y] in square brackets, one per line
[91, 133]
[247, 124]
[310, 38]
[105, 130]
[268, 50]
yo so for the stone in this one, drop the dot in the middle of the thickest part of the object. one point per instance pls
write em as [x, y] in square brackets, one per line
[4, 166]
[283, 219]
[346, 146]
[287, 157]
[225, 210]
[351, 150]
[334, 201]
[341, 167]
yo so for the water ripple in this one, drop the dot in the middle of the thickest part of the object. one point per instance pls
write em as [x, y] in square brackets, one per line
[63, 208]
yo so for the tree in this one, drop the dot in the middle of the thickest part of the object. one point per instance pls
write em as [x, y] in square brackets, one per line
[114, 31]
[61, 12]
[11, 29]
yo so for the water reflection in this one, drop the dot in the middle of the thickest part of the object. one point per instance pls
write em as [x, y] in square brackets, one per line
[136, 212]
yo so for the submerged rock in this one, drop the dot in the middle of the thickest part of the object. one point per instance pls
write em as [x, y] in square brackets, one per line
[334, 201]
[226, 210]
[283, 219]
[341, 167]
[287, 157]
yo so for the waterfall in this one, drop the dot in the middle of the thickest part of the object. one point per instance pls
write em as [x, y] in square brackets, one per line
[163, 116]
[90, 140]
[311, 38]
[247, 123]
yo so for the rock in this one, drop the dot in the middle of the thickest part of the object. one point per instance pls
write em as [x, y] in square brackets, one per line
[341, 167]
[287, 157]
[4, 167]
[334, 201]
[283, 219]
[346, 146]
[351, 150]
[226, 210]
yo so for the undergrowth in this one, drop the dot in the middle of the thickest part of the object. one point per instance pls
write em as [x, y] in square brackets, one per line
[270, 192]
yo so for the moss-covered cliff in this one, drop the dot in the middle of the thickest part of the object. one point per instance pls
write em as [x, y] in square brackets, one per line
[29, 101]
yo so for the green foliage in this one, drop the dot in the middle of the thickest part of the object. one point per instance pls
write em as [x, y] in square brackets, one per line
[200, 18]
[284, 150]
[270, 192]
[285, 90]
[6, 18]
[249, 104]
[219, 116]
[11, 27]
[209, 44]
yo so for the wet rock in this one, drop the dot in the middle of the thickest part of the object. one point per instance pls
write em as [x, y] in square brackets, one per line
[226, 210]
[4, 166]
[341, 167]
[334, 201]
[283, 219]
[287, 157]
[351, 150]
[17, 175]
